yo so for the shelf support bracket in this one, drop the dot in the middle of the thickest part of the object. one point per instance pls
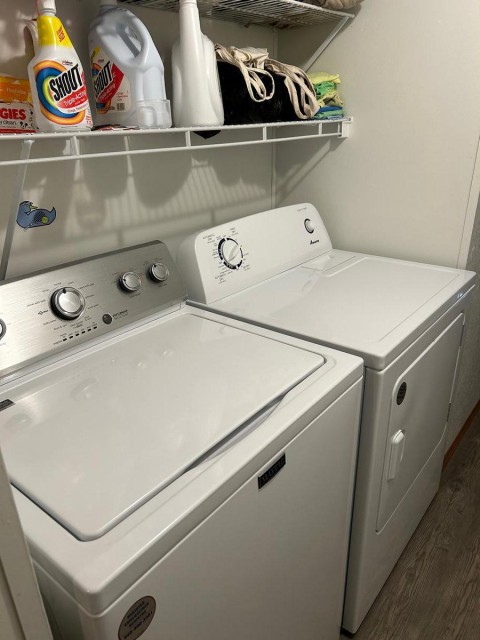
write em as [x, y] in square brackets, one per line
[338, 27]
[345, 129]
[17, 194]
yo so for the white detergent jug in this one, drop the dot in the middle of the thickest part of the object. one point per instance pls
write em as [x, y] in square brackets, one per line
[197, 100]
[127, 70]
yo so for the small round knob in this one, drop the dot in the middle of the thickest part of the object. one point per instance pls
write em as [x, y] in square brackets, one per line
[230, 252]
[67, 303]
[3, 329]
[309, 225]
[158, 272]
[130, 281]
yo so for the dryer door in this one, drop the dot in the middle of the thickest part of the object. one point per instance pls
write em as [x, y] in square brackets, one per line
[418, 416]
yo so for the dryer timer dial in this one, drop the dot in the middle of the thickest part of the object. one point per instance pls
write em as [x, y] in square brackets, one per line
[230, 253]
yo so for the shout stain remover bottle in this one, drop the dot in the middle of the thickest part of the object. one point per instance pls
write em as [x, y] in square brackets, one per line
[56, 77]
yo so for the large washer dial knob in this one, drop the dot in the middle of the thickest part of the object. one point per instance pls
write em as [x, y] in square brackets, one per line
[230, 253]
[130, 281]
[3, 329]
[158, 272]
[67, 303]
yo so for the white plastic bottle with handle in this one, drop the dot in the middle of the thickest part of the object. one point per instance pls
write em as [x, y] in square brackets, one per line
[127, 70]
[197, 99]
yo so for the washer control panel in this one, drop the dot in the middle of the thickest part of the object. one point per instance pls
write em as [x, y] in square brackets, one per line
[50, 311]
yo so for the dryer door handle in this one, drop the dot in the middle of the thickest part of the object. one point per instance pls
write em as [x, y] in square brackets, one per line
[397, 447]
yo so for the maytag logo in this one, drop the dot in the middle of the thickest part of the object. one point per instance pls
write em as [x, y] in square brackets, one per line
[314, 241]
[272, 471]
[5, 404]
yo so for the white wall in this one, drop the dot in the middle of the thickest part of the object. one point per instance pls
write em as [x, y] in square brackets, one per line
[467, 391]
[401, 185]
[103, 205]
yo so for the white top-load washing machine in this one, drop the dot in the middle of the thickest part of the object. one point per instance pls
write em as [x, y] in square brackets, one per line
[277, 269]
[178, 475]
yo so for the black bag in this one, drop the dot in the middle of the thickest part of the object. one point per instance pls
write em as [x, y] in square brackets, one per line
[238, 106]
[257, 89]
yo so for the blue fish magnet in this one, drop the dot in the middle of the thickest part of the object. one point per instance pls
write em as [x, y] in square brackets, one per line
[29, 216]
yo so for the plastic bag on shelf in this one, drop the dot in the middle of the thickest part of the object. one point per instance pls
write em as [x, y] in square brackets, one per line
[16, 110]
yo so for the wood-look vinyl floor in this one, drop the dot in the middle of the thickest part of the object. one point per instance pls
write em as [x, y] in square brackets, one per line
[433, 592]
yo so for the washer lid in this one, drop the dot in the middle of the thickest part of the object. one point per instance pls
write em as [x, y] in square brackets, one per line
[96, 438]
[367, 305]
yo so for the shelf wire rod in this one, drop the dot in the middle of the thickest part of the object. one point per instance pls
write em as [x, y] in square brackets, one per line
[314, 57]
[134, 133]
[17, 195]
[75, 147]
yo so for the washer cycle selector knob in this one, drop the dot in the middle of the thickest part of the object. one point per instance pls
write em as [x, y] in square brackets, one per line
[130, 281]
[67, 303]
[158, 272]
[3, 329]
[230, 253]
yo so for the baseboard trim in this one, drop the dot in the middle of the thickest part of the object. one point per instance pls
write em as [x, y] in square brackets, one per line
[460, 435]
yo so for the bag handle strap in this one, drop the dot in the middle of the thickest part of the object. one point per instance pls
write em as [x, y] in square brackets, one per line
[298, 84]
[252, 75]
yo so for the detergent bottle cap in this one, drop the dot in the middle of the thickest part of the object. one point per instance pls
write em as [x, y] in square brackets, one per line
[46, 5]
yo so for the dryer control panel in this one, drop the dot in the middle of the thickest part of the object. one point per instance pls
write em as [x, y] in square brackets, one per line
[50, 311]
[233, 256]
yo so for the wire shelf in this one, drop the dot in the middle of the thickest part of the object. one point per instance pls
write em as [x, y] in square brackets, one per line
[271, 13]
[63, 147]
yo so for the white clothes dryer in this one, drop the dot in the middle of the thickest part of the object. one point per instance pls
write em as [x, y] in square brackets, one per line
[277, 269]
[178, 475]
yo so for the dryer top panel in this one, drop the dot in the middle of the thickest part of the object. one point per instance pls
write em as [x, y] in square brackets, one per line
[366, 305]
